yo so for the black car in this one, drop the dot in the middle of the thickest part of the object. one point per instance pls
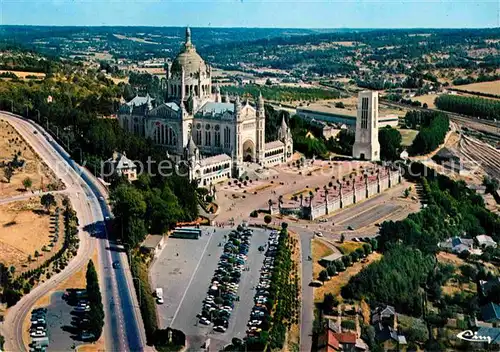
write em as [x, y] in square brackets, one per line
[116, 265]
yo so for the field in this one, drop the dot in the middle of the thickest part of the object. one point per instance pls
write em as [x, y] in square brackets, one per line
[24, 74]
[407, 137]
[429, 99]
[24, 229]
[319, 250]
[335, 284]
[348, 247]
[41, 176]
[483, 87]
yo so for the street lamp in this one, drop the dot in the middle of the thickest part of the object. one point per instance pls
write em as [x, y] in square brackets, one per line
[38, 112]
[12, 105]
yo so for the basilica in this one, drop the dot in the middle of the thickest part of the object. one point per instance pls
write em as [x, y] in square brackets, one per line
[216, 136]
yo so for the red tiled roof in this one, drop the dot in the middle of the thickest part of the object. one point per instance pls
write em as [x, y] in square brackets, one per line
[345, 337]
[332, 340]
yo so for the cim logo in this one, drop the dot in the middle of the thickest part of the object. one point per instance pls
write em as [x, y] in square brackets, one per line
[470, 336]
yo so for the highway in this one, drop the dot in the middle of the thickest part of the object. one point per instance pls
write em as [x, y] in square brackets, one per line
[123, 330]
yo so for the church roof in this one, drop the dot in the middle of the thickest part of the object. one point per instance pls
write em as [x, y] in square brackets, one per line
[215, 159]
[274, 145]
[191, 146]
[173, 106]
[216, 108]
[284, 126]
[188, 58]
[138, 104]
[138, 101]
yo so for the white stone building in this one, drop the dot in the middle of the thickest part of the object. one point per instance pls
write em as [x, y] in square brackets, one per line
[215, 135]
[120, 165]
[366, 145]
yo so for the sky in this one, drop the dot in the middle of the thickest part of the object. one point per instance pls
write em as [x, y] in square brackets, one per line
[255, 13]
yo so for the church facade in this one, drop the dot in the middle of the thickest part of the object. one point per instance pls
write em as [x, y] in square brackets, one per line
[216, 136]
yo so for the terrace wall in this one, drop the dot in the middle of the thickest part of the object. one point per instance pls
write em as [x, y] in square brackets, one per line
[372, 188]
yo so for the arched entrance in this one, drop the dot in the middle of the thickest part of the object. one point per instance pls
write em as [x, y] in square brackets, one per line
[249, 151]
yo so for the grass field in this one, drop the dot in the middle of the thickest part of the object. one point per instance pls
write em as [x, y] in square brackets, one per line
[429, 99]
[12, 143]
[483, 87]
[407, 136]
[24, 228]
[319, 250]
[348, 247]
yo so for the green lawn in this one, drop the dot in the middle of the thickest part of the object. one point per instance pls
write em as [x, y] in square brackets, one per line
[408, 136]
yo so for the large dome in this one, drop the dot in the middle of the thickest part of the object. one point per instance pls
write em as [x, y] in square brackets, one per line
[188, 59]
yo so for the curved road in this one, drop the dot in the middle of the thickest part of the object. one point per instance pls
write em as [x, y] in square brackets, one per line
[123, 328]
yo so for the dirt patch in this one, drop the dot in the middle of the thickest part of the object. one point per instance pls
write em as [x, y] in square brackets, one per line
[335, 284]
[449, 258]
[320, 249]
[426, 99]
[24, 229]
[11, 143]
[24, 74]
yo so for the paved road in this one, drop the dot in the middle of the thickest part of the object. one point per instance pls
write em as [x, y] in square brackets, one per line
[28, 195]
[116, 285]
[307, 307]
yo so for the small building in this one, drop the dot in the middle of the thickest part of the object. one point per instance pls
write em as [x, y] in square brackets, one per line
[459, 245]
[484, 241]
[385, 321]
[153, 244]
[490, 312]
[120, 166]
[329, 259]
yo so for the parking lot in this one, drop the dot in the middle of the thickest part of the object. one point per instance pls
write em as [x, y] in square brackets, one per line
[184, 270]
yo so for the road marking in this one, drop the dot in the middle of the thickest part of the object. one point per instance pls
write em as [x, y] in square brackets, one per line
[191, 280]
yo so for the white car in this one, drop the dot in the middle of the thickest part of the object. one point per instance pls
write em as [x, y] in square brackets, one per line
[319, 234]
[38, 334]
[254, 323]
[205, 321]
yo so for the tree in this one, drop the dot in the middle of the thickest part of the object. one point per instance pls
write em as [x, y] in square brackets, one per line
[331, 269]
[8, 172]
[390, 143]
[27, 183]
[323, 275]
[48, 200]
[268, 219]
[96, 313]
[329, 302]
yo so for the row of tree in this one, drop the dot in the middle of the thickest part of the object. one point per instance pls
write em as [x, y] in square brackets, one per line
[96, 313]
[471, 106]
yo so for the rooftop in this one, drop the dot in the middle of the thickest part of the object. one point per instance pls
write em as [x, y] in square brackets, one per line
[273, 145]
[216, 108]
[490, 312]
[215, 159]
[152, 241]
